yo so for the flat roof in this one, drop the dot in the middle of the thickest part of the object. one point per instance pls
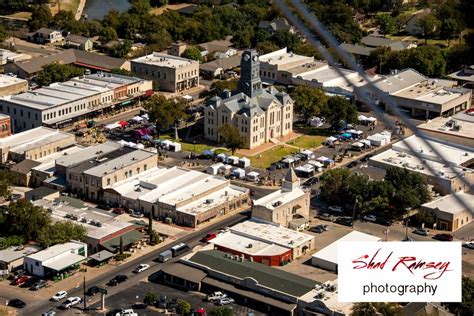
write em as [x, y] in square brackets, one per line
[330, 298]
[56, 250]
[445, 125]
[327, 74]
[99, 159]
[33, 138]
[248, 245]
[211, 200]
[87, 153]
[14, 253]
[110, 166]
[64, 262]
[270, 232]
[266, 276]
[329, 253]
[282, 57]
[48, 163]
[86, 217]
[271, 201]
[453, 153]
[399, 81]
[164, 60]
[184, 272]
[451, 204]
[6, 80]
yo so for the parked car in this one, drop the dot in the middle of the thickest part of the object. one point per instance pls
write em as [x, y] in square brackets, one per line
[93, 290]
[335, 209]
[311, 181]
[208, 237]
[141, 267]
[118, 279]
[58, 296]
[70, 302]
[444, 237]
[317, 229]
[21, 280]
[421, 232]
[226, 301]
[118, 211]
[18, 273]
[30, 282]
[136, 214]
[126, 312]
[165, 256]
[17, 303]
[39, 285]
[50, 312]
[469, 244]
[215, 296]
[352, 164]
[370, 218]
[346, 221]
[326, 217]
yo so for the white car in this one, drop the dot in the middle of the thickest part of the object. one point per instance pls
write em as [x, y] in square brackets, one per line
[469, 244]
[70, 302]
[226, 301]
[215, 296]
[369, 218]
[59, 296]
[336, 209]
[126, 312]
[141, 268]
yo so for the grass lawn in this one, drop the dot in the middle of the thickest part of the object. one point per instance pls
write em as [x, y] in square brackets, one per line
[66, 5]
[265, 159]
[173, 7]
[20, 15]
[196, 148]
[307, 141]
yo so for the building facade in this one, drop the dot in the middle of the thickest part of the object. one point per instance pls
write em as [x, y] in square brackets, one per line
[170, 73]
[11, 85]
[451, 212]
[284, 205]
[259, 114]
[5, 126]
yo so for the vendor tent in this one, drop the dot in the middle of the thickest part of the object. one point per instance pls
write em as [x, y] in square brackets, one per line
[145, 116]
[137, 119]
[233, 160]
[330, 139]
[112, 126]
[123, 123]
[221, 157]
[214, 169]
[252, 176]
[225, 170]
[239, 173]
[244, 162]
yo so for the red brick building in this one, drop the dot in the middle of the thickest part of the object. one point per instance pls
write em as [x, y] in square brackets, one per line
[5, 126]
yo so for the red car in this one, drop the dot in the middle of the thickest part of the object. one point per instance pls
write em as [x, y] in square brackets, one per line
[118, 210]
[21, 280]
[208, 237]
[444, 237]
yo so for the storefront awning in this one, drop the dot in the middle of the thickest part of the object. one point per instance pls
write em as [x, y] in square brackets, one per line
[64, 262]
[101, 256]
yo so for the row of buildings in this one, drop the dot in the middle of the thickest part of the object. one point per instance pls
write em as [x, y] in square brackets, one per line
[65, 103]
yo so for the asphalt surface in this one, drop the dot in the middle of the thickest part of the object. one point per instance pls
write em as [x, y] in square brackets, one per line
[37, 308]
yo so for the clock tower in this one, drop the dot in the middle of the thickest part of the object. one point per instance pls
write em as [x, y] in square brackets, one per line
[250, 82]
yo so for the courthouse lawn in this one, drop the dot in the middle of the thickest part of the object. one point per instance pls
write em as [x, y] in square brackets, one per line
[265, 159]
[66, 5]
[307, 141]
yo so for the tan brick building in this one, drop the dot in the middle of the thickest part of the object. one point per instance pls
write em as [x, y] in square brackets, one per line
[11, 85]
[170, 73]
[283, 206]
[259, 114]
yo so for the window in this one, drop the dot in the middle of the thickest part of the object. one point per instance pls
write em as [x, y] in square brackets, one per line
[138, 170]
[145, 167]
[108, 181]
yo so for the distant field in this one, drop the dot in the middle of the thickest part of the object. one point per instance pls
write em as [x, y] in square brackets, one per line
[20, 15]
[160, 10]
[66, 5]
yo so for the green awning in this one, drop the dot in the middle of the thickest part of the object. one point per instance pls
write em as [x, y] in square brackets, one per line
[128, 238]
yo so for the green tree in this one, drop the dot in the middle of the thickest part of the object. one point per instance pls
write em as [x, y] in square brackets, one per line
[266, 47]
[121, 246]
[108, 34]
[339, 111]
[308, 101]
[231, 137]
[61, 232]
[218, 87]
[10, 6]
[221, 311]
[449, 29]
[363, 309]
[429, 26]
[5, 184]
[40, 17]
[166, 113]
[155, 237]
[333, 185]
[192, 53]
[183, 307]
[373, 309]
[24, 219]
[150, 298]
[120, 71]
[56, 72]
[121, 50]
[150, 223]
[10, 241]
[3, 33]
[466, 306]
[386, 23]
[379, 58]
[62, 20]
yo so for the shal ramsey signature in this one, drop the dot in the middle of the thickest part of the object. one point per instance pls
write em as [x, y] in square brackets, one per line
[433, 270]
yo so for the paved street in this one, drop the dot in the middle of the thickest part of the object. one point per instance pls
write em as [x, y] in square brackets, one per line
[35, 307]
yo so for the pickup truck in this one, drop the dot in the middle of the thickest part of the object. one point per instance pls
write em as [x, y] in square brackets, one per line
[216, 296]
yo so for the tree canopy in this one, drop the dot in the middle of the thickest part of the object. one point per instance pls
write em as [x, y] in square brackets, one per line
[56, 72]
[231, 137]
[165, 113]
[309, 101]
[466, 306]
[192, 53]
[61, 232]
[340, 111]
[221, 311]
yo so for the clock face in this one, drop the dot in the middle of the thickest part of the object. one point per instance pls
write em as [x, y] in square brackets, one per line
[246, 57]
[255, 58]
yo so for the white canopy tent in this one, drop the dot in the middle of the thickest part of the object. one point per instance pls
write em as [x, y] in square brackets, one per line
[112, 126]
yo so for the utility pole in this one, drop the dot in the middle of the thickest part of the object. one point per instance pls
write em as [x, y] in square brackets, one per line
[84, 293]
[354, 212]
[406, 229]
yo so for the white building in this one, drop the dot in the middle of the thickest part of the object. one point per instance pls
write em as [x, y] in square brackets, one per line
[444, 180]
[300, 243]
[326, 258]
[56, 259]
